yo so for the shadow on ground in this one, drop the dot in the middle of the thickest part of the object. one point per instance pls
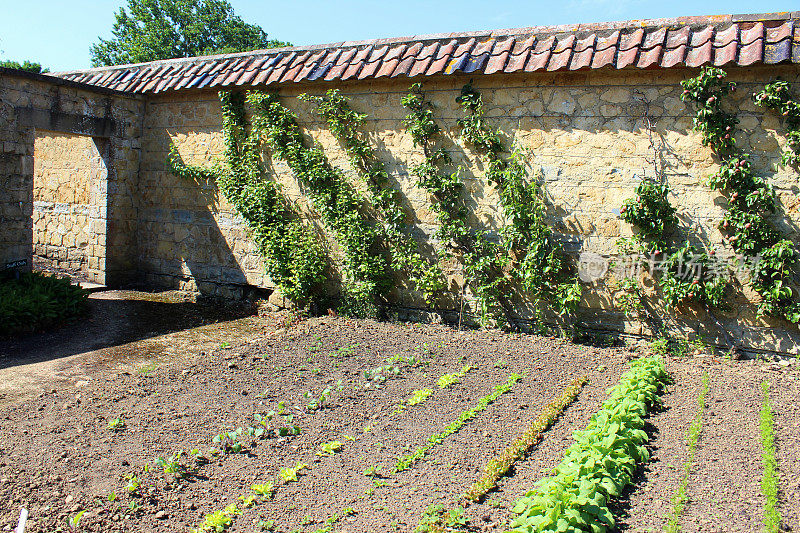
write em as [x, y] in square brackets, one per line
[116, 318]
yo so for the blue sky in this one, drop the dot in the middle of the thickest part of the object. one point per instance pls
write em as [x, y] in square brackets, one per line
[58, 33]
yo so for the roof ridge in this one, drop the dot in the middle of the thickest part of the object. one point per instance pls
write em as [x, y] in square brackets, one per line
[639, 44]
[561, 28]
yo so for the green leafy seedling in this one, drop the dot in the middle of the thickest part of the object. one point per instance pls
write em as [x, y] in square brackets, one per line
[263, 489]
[329, 448]
[116, 424]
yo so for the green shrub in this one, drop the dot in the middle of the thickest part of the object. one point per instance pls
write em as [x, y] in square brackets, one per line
[36, 301]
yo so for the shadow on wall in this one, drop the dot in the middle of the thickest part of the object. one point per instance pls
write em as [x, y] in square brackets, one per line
[115, 319]
[186, 242]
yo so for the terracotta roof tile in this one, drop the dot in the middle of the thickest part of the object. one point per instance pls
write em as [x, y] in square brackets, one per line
[407, 60]
[390, 62]
[309, 65]
[236, 71]
[629, 48]
[701, 37]
[294, 68]
[280, 67]
[440, 59]
[752, 49]
[218, 77]
[726, 44]
[423, 60]
[358, 62]
[519, 54]
[499, 56]
[751, 34]
[699, 55]
[606, 50]
[663, 43]
[460, 58]
[540, 55]
[582, 56]
[338, 68]
[796, 46]
[726, 54]
[778, 47]
[251, 71]
[205, 79]
[562, 53]
[631, 40]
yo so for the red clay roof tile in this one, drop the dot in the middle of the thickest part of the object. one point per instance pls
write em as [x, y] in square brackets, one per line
[280, 68]
[499, 56]
[673, 56]
[699, 55]
[662, 43]
[519, 54]
[423, 60]
[341, 65]
[294, 68]
[631, 40]
[726, 36]
[540, 55]
[582, 57]
[310, 64]
[676, 38]
[701, 37]
[441, 58]
[649, 58]
[725, 54]
[562, 53]
[626, 58]
[357, 63]
[407, 60]
[390, 62]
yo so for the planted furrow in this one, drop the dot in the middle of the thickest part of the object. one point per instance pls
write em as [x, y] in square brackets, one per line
[406, 461]
[520, 447]
[600, 463]
[769, 479]
[679, 500]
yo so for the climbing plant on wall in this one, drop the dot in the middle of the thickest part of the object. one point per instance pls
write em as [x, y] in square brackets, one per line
[347, 126]
[366, 276]
[537, 259]
[292, 256]
[483, 260]
[777, 96]
[750, 198]
[684, 273]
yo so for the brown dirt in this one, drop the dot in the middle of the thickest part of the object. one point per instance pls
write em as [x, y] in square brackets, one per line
[57, 456]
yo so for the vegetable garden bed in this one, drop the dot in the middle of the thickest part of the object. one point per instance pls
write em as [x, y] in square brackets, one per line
[363, 395]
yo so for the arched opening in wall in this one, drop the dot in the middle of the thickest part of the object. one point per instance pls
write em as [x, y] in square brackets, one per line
[70, 180]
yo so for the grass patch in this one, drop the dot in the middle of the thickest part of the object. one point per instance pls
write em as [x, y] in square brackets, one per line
[679, 500]
[520, 447]
[38, 301]
[769, 480]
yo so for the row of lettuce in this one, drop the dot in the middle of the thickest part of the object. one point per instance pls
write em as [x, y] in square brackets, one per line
[601, 462]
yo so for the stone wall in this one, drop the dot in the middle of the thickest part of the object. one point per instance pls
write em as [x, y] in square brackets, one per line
[67, 169]
[584, 133]
[111, 121]
[586, 140]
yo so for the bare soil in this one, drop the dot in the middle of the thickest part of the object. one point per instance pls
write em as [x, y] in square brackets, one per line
[58, 457]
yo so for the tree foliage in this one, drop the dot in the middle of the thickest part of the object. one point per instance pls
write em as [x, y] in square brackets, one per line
[30, 66]
[149, 30]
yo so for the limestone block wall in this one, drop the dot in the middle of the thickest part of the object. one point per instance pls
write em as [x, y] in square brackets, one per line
[31, 104]
[66, 170]
[586, 139]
